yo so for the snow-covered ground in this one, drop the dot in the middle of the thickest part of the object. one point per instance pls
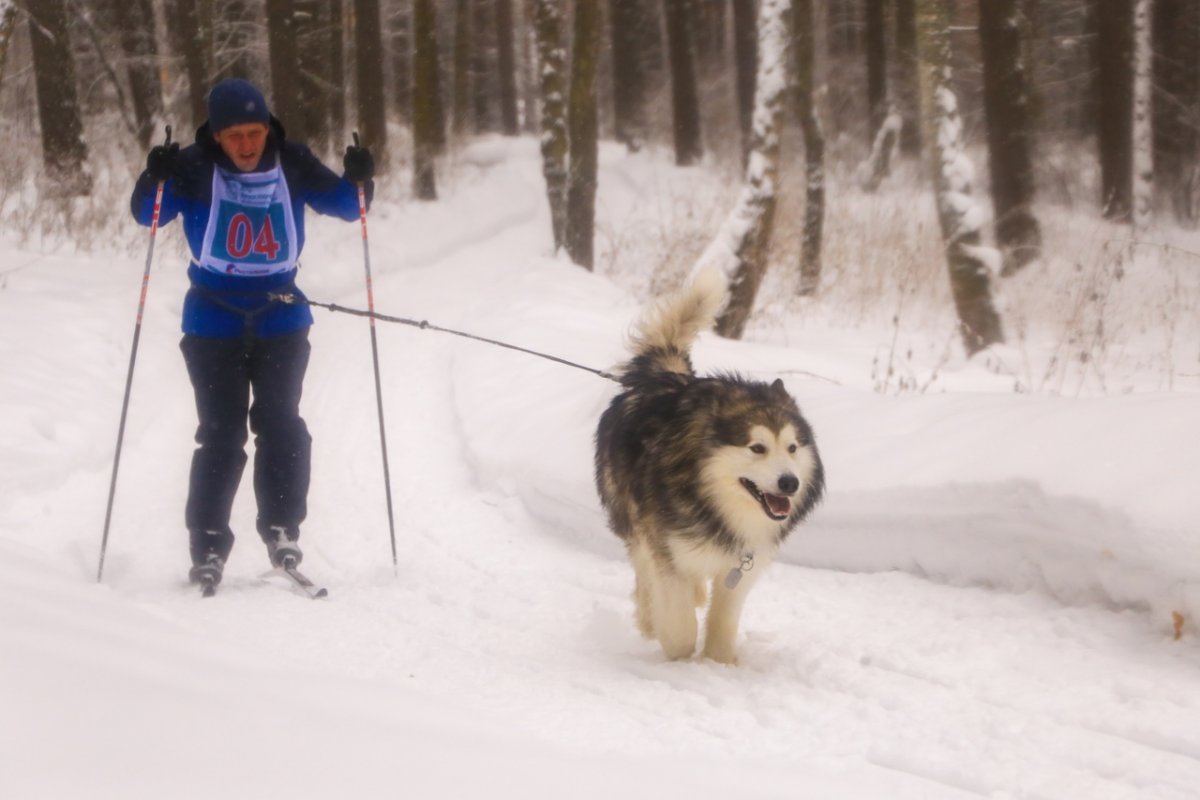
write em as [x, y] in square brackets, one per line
[984, 606]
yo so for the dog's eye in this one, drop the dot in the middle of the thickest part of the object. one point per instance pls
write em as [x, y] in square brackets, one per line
[757, 448]
[793, 448]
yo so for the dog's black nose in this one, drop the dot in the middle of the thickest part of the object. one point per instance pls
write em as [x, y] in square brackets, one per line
[788, 483]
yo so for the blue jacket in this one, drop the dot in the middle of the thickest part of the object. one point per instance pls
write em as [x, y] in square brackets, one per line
[188, 193]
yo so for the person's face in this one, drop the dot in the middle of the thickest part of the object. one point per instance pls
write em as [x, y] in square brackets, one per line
[244, 144]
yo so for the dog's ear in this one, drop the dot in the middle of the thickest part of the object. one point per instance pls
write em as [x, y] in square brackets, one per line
[778, 388]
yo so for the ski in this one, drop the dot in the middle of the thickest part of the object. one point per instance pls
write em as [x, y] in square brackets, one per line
[208, 586]
[301, 581]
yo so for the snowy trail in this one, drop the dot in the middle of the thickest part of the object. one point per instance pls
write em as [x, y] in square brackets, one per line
[955, 631]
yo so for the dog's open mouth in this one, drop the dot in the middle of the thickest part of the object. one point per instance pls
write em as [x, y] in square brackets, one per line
[777, 507]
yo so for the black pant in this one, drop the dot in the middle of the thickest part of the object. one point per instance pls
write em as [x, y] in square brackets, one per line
[223, 373]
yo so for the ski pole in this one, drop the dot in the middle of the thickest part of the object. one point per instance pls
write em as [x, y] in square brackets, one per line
[387, 479]
[137, 335]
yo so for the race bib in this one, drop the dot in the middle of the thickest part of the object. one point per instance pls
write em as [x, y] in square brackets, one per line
[251, 229]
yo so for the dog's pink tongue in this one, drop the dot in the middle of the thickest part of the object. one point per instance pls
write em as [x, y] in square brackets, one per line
[780, 506]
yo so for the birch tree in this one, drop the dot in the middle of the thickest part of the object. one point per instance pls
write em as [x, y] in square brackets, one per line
[548, 20]
[1008, 108]
[583, 129]
[804, 44]
[742, 245]
[959, 215]
[1143, 135]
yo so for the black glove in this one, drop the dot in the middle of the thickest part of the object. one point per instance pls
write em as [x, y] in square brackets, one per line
[160, 164]
[359, 165]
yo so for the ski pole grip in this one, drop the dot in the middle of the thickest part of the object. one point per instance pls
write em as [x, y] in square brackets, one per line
[355, 135]
[167, 143]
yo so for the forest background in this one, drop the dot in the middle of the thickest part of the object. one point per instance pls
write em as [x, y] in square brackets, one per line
[1083, 117]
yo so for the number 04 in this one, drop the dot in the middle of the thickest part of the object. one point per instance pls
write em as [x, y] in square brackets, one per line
[242, 239]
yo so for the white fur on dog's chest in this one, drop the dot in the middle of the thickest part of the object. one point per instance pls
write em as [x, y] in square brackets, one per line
[703, 559]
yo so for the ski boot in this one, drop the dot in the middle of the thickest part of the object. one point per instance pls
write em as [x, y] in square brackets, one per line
[282, 547]
[208, 574]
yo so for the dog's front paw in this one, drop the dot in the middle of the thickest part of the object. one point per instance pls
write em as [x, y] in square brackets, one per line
[722, 654]
[677, 649]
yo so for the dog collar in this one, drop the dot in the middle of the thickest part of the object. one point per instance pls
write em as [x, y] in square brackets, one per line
[735, 575]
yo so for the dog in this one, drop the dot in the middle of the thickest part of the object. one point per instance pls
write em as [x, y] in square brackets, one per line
[703, 477]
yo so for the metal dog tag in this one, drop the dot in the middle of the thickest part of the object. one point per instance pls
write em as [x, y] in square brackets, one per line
[733, 578]
[735, 575]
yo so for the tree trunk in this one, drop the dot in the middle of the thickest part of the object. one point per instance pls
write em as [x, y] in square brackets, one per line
[1008, 108]
[708, 33]
[507, 64]
[312, 88]
[368, 45]
[8, 24]
[1113, 88]
[804, 43]
[743, 245]
[425, 89]
[1143, 136]
[958, 215]
[684, 98]
[462, 67]
[531, 116]
[626, 20]
[402, 62]
[64, 153]
[188, 39]
[337, 71]
[548, 21]
[482, 68]
[876, 51]
[908, 91]
[1176, 103]
[583, 132]
[135, 23]
[281, 46]
[745, 59]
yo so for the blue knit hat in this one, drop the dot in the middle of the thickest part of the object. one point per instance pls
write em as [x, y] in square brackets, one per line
[234, 101]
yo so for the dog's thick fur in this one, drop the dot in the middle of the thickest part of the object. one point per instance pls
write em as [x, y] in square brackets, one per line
[698, 475]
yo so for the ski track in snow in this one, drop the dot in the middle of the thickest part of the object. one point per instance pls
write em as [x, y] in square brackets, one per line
[872, 654]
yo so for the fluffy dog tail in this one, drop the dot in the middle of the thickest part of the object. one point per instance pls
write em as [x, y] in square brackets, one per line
[665, 334]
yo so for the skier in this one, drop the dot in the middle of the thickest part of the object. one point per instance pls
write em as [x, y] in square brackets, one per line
[241, 191]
